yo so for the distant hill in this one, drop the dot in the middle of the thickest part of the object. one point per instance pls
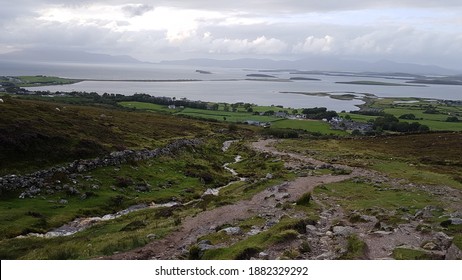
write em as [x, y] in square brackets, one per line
[37, 55]
[319, 64]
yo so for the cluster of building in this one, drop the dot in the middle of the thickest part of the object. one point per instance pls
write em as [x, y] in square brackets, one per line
[339, 123]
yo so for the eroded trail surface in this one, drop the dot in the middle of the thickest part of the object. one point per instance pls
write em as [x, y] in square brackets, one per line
[328, 238]
[262, 203]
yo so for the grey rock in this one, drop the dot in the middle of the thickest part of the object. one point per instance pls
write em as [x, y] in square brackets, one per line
[263, 256]
[456, 221]
[205, 245]
[73, 191]
[310, 228]
[281, 196]
[326, 256]
[443, 240]
[343, 231]
[151, 236]
[382, 233]
[426, 212]
[143, 187]
[232, 230]
[63, 201]
[430, 246]
[254, 231]
[454, 253]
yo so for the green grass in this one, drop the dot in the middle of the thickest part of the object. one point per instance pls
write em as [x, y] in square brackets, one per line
[307, 125]
[415, 174]
[436, 122]
[458, 241]
[242, 116]
[225, 116]
[284, 231]
[34, 134]
[28, 81]
[410, 254]
[360, 196]
[170, 178]
[146, 106]
[422, 158]
[105, 238]
[356, 249]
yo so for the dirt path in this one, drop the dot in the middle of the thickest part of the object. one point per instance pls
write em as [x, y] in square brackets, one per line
[380, 243]
[262, 203]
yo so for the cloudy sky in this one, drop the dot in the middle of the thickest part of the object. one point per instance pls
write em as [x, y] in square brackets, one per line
[419, 31]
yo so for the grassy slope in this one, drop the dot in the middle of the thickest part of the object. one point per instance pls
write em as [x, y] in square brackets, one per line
[35, 134]
[28, 81]
[426, 158]
[436, 122]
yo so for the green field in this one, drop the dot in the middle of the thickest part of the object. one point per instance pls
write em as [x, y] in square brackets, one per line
[308, 125]
[146, 106]
[416, 106]
[240, 116]
[32, 81]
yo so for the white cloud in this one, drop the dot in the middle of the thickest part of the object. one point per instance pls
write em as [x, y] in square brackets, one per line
[316, 45]
[260, 45]
[417, 29]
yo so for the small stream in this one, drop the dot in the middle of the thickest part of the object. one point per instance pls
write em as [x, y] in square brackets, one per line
[216, 191]
[81, 224]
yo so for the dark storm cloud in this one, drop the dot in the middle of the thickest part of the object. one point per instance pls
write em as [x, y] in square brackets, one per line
[137, 10]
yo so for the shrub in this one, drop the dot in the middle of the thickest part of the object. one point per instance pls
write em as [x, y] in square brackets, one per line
[407, 117]
[304, 247]
[123, 182]
[194, 253]
[290, 254]
[304, 200]
[286, 235]
[248, 253]
[135, 225]
[356, 248]
[452, 119]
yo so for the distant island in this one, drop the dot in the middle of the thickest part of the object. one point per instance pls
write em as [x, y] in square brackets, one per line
[304, 79]
[437, 82]
[375, 83]
[203, 72]
[260, 76]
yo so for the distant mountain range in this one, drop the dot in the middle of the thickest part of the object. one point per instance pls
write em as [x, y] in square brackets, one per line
[57, 56]
[314, 63]
[320, 64]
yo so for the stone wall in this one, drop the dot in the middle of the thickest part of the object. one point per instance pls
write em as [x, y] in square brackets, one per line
[32, 183]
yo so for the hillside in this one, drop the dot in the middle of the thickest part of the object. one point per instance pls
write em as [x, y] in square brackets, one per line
[93, 180]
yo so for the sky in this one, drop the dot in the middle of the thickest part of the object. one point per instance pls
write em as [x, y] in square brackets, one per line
[416, 31]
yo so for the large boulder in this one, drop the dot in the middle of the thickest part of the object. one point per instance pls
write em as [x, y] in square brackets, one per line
[232, 230]
[454, 253]
[343, 231]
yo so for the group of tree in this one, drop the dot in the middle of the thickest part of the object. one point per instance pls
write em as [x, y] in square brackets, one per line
[391, 123]
[319, 113]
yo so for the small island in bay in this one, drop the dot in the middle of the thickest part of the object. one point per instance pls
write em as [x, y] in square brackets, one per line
[304, 79]
[375, 83]
[260, 76]
[203, 72]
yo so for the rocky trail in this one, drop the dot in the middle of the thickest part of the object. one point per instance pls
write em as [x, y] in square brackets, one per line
[328, 239]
